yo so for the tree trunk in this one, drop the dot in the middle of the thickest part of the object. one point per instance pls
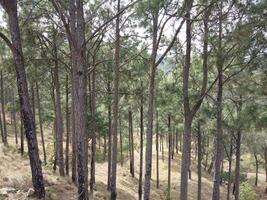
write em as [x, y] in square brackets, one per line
[40, 121]
[152, 72]
[207, 153]
[131, 144]
[237, 165]
[14, 116]
[257, 169]
[230, 169]
[157, 147]
[115, 110]
[21, 136]
[169, 157]
[79, 73]
[27, 116]
[141, 150]
[185, 166]
[93, 129]
[67, 126]
[109, 141]
[199, 160]
[3, 107]
[265, 162]
[219, 130]
[2, 129]
[121, 141]
[59, 120]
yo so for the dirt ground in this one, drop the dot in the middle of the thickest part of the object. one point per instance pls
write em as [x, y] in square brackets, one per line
[15, 173]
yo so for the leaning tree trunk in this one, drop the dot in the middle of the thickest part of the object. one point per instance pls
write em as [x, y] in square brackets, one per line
[27, 116]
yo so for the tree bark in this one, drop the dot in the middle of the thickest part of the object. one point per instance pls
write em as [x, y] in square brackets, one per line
[121, 141]
[10, 7]
[230, 169]
[219, 130]
[93, 130]
[199, 160]
[3, 107]
[237, 165]
[257, 169]
[141, 149]
[21, 136]
[58, 112]
[67, 126]
[157, 148]
[169, 157]
[152, 72]
[40, 120]
[109, 141]
[265, 162]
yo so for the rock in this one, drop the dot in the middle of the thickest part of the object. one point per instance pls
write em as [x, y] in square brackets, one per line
[30, 192]
[5, 179]
[5, 191]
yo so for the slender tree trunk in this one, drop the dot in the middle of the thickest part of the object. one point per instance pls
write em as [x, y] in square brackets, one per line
[149, 142]
[67, 126]
[109, 142]
[131, 149]
[14, 116]
[176, 140]
[219, 130]
[169, 157]
[115, 108]
[93, 129]
[162, 147]
[230, 169]
[3, 107]
[2, 129]
[27, 116]
[199, 160]
[59, 120]
[141, 149]
[121, 141]
[237, 165]
[157, 147]
[33, 105]
[40, 120]
[265, 162]
[257, 169]
[207, 153]
[21, 136]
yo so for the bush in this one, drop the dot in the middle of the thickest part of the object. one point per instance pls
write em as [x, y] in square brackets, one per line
[247, 192]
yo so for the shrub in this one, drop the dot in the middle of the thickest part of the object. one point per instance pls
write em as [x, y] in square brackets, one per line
[247, 192]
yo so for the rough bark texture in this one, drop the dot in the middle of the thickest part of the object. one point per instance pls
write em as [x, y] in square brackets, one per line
[257, 169]
[230, 169]
[151, 85]
[79, 84]
[219, 130]
[109, 142]
[58, 112]
[115, 107]
[187, 113]
[37, 177]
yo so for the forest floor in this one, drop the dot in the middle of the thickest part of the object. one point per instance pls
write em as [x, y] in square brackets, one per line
[15, 177]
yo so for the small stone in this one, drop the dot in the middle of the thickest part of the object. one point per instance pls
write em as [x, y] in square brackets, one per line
[30, 192]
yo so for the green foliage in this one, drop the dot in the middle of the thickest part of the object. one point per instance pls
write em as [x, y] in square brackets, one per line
[247, 192]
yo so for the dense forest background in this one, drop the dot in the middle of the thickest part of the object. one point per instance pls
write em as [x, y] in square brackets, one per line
[145, 99]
